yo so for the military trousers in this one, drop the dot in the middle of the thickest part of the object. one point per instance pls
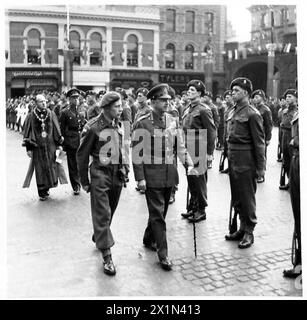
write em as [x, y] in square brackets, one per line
[296, 202]
[73, 168]
[157, 202]
[286, 160]
[198, 190]
[243, 185]
[105, 193]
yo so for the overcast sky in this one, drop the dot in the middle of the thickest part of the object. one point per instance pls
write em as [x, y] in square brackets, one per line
[240, 19]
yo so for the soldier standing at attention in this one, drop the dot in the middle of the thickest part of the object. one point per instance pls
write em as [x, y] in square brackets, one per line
[71, 126]
[102, 139]
[156, 171]
[259, 100]
[246, 155]
[295, 192]
[287, 116]
[197, 117]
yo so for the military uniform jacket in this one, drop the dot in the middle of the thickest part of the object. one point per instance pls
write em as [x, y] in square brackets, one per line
[245, 133]
[200, 117]
[267, 120]
[102, 140]
[158, 164]
[71, 124]
[294, 143]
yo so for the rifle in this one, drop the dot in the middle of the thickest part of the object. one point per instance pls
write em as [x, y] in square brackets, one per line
[282, 179]
[222, 160]
[232, 225]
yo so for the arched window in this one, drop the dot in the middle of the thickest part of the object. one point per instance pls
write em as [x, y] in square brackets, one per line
[132, 51]
[74, 41]
[170, 56]
[95, 49]
[34, 47]
[189, 21]
[189, 61]
[209, 22]
[170, 20]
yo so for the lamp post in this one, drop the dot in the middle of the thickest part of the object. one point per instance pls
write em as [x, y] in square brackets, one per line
[271, 47]
[208, 64]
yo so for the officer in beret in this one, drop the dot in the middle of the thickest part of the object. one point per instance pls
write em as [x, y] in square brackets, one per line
[141, 104]
[259, 98]
[107, 172]
[198, 116]
[295, 195]
[93, 109]
[246, 155]
[220, 131]
[156, 173]
[71, 124]
[287, 116]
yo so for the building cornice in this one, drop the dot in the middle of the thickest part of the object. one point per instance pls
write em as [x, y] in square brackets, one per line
[80, 16]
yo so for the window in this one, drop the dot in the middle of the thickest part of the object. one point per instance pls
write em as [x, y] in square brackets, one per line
[264, 20]
[170, 20]
[132, 51]
[209, 22]
[74, 41]
[285, 16]
[189, 21]
[170, 56]
[95, 49]
[34, 47]
[189, 63]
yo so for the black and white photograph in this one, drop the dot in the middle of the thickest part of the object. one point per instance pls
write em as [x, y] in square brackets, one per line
[152, 150]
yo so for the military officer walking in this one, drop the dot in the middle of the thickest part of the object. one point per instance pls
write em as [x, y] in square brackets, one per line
[156, 171]
[294, 178]
[71, 124]
[102, 139]
[246, 155]
[196, 117]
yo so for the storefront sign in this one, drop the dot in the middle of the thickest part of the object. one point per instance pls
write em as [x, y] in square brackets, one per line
[34, 73]
[178, 78]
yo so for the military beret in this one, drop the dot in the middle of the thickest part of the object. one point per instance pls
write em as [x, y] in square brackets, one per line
[227, 93]
[293, 92]
[82, 93]
[143, 91]
[109, 98]
[122, 92]
[171, 92]
[208, 94]
[90, 93]
[198, 85]
[243, 83]
[159, 91]
[74, 92]
[184, 92]
[219, 97]
[258, 92]
[40, 97]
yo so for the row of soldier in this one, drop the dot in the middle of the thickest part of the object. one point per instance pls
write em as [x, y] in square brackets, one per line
[244, 132]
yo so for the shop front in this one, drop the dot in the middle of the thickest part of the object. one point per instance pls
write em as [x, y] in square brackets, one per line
[21, 81]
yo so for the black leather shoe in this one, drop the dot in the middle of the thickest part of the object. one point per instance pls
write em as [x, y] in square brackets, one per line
[279, 160]
[292, 273]
[166, 264]
[187, 214]
[43, 198]
[77, 191]
[225, 170]
[260, 180]
[236, 236]
[151, 246]
[285, 187]
[198, 216]
[247, 241]
[108, 266]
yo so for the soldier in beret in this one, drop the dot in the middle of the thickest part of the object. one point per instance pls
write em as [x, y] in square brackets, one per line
[282, 106]
[207, 99]
[71, 124]
[220, 131]
[93, 109]
[156, 172]
[294, 178]
[126, 114]
[287, 116]
[246, 155]
[259, 98]
[142, 105]
[198, 116]
[102, 139]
